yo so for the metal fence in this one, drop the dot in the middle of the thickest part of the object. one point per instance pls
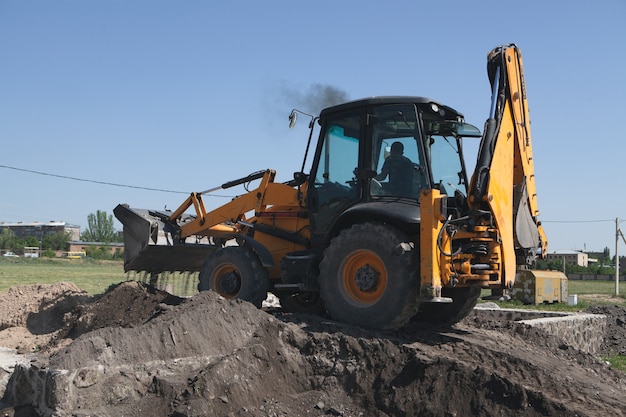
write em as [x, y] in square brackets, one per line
[594, 277]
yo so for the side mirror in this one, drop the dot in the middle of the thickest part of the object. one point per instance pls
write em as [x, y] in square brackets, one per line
[299, 177]
[293, 117]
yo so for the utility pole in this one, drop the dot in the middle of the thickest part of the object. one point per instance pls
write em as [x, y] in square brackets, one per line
[618, 233]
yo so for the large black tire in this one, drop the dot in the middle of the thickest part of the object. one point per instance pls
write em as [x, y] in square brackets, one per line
[235, 272]
[369, 277]
[309, 302]
[446, 314]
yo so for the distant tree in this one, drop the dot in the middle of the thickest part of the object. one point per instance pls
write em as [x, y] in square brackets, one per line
[100, 228]
[605, 258]
[6, 239]
[31, 241]
[48, 253]
[56, 241]
[557, 265]
[99, 252]
[554, 265]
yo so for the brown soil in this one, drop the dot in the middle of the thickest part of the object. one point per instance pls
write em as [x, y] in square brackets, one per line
[32, 315]
[159, 355]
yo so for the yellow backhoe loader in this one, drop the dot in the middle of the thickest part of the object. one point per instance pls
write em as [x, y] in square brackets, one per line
[384, 227]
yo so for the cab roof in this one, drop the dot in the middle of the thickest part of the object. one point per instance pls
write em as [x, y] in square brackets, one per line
[383, 100]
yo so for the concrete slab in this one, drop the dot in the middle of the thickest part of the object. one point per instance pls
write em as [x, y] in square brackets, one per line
[582, 331]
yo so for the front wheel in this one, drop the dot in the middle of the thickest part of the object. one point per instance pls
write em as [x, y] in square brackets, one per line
[235, 272]
[369, 277]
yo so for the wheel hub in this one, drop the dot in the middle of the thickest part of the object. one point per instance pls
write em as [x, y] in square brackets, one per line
[366, 278]
[229, 282]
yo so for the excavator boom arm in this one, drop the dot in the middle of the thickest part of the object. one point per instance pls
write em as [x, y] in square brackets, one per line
[504, 180]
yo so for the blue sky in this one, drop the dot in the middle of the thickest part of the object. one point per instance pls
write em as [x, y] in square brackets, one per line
[186, 95]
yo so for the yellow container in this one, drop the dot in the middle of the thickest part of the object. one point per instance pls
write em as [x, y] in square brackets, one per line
[538, 287]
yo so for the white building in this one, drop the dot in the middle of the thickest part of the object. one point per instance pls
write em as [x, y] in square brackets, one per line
[38, 229]
[570, 257]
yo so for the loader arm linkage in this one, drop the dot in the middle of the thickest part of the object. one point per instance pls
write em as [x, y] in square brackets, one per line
[146, 232]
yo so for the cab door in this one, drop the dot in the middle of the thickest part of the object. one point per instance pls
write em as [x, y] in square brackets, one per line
[333, 184]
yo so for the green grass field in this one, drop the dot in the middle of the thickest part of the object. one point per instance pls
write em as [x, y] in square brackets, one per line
[87, 274]
[595, 287]
[92, 276]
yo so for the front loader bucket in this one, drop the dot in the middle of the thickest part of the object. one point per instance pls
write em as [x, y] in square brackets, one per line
[147, 248]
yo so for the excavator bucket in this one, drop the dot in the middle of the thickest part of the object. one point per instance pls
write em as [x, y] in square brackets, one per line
[148, 249]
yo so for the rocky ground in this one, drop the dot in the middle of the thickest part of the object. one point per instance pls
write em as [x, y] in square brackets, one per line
[138, 351]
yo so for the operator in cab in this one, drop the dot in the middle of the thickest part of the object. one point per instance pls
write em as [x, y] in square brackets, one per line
[399, 169]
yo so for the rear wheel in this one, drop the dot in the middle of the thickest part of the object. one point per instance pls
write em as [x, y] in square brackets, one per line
[463, 301]
[235, 272]
[369, 277]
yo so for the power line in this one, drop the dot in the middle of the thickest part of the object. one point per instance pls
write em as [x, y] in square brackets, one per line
[219, 195]
[104, 182]
[578, 221]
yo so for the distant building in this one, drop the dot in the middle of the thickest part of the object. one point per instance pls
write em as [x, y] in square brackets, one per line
[38, 230]
[79, 246]
[570, 257]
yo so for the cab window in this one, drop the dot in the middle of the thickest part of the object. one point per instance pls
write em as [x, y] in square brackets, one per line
[396, 153]
[334, 186]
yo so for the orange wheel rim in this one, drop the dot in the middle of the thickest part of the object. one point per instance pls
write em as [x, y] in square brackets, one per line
[227, 281]
[364, 276]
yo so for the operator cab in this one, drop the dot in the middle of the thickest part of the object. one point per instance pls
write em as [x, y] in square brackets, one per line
[384, 150]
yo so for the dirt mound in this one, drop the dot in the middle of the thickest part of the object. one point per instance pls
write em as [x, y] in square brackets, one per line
[128, 304]
[38, 306]
[138, 351]
[39, 317]
[31, 315]
[615, 338]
